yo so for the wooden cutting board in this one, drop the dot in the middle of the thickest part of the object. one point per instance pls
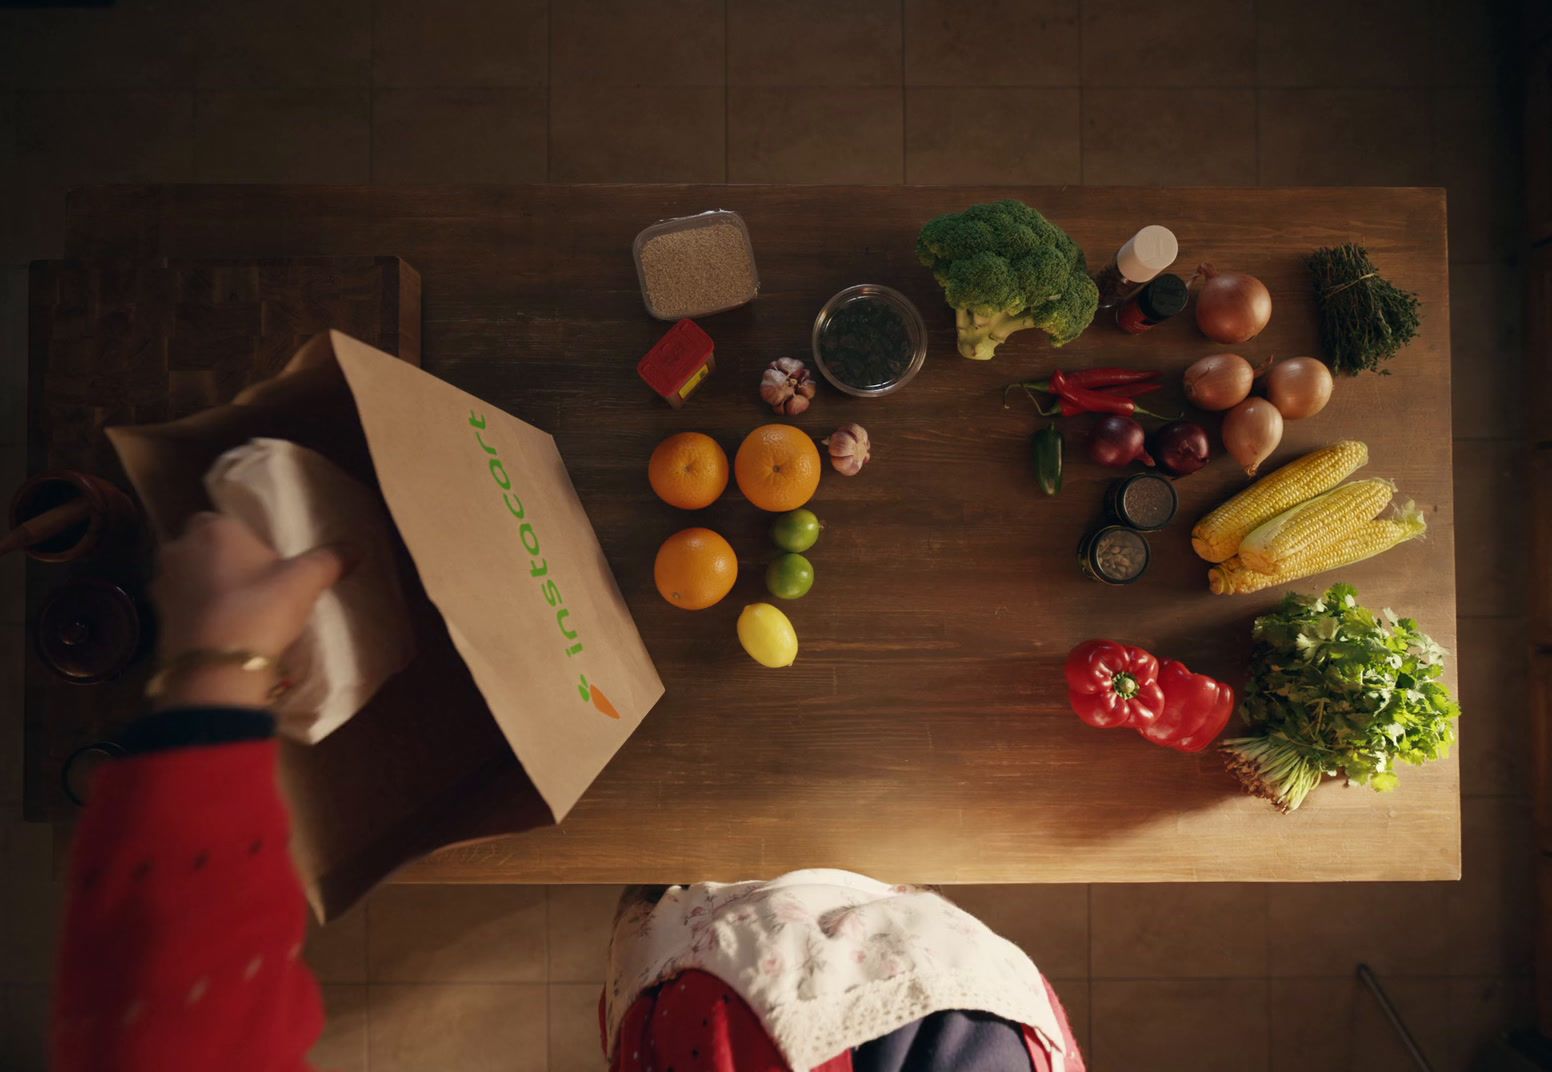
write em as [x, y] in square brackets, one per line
[133, 341]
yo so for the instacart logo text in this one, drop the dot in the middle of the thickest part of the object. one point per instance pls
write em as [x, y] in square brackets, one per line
[539, 566]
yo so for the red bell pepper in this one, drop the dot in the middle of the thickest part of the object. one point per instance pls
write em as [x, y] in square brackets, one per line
[1111, 685]
[1196, 708]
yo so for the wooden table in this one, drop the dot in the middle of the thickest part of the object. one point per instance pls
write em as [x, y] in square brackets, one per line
[924, 733]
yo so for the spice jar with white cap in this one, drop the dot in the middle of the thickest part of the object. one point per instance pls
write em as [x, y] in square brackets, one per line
[1145, 255]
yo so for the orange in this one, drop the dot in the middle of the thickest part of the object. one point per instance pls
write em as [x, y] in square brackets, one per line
[695, 569]
[688, 470]
[777, 467]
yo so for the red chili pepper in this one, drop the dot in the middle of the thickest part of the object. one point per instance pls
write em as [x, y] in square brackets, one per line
[1109, 377]
[1129, 390]
[1098, 401]
[1068, 408]
[1110, 684]
[1196, 708]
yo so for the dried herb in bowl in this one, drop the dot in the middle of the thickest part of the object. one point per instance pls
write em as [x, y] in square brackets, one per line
[1364, 320]
[866, 344]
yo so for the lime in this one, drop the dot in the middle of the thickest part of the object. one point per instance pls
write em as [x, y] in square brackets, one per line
[767, 635]
[796, 530]
[789, 576]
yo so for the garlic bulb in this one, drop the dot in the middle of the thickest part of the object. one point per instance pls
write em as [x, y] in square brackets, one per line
[848, 449]
[787, 385]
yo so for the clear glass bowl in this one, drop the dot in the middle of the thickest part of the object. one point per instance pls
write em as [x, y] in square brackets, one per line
[691, 223]
[915, 329]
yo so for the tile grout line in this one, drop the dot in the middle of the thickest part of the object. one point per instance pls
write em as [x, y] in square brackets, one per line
[549, 1021]
[1088, 983]
[1081, 181]
[549, 91]
[1266, 897]
[1089, 904]
[371, 92]
[727, 90]
[366, 975]
[905, 174]
[1255, 92]
[193, 136]
[1266, 960]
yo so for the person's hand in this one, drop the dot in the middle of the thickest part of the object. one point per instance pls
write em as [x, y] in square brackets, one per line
[219, 587]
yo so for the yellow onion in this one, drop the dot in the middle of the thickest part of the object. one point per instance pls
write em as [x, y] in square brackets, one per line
[1251, 431]
[1231, 307]
[1218, 382]
[1299, 387]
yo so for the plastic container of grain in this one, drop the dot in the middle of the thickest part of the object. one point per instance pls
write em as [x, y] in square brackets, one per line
[697, 265]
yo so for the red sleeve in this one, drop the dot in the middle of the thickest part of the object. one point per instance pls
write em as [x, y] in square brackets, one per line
[696, 1023]
[182, 939]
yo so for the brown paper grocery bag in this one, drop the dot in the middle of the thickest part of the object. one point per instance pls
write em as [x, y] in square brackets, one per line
[529, 672]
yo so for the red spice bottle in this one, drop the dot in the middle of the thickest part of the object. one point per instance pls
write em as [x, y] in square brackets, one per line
[1153, 304]
[678, 362]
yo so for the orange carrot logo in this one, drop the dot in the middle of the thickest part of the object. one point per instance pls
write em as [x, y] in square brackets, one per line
[596, 695]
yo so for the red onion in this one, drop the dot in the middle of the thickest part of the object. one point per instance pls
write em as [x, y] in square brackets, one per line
[1181, 448]
[1118, 442]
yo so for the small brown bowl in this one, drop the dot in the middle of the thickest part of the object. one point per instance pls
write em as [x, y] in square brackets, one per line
[113, 518]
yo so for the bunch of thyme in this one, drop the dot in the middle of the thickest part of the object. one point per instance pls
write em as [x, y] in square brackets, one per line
[1364, 320]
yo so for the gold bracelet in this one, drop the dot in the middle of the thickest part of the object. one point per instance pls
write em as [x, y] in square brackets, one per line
[197, 658]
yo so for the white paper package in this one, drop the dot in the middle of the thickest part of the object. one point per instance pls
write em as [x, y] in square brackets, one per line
[359, 634]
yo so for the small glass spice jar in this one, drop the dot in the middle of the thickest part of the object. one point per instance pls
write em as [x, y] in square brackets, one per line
[1145, 255]
[1143, 501]
[1153, 304]
[1113, 554]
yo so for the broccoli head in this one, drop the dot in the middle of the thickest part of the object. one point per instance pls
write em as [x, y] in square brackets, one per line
[1004, 267]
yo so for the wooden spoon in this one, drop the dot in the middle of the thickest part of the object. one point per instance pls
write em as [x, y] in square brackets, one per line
[48, 524]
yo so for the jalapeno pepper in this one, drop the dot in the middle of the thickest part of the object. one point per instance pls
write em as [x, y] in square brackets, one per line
[1048, 459]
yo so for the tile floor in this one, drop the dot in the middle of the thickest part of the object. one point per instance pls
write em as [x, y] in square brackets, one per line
[800, 91]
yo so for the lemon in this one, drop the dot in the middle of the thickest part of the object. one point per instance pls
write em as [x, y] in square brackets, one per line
[767, 635]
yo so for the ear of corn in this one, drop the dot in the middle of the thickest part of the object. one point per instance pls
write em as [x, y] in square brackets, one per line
[1367, 540]
[1326, 518]
[1217, 536]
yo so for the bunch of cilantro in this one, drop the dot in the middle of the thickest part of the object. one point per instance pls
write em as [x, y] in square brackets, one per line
[1335, 689]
